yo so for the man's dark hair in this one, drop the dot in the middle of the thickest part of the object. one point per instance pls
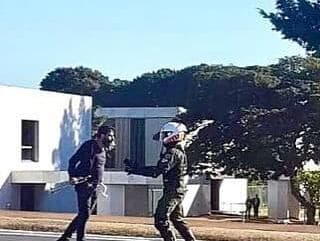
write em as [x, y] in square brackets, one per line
[105, 129]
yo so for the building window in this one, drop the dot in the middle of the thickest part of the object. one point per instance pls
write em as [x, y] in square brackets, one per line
[30, 140]
[137, 141]
[130, 139]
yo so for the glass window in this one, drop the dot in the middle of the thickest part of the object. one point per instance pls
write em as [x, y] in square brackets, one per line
[137, 141]
[30, 140]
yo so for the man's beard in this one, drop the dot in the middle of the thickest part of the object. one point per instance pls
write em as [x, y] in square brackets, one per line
[109, 146]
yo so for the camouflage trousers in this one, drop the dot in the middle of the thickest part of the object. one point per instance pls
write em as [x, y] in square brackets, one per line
[170, 208]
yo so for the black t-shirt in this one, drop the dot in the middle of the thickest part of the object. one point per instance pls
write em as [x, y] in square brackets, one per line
[89, 159]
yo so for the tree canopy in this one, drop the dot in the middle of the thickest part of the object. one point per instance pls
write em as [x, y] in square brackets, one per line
[78, 80]
[298, 20]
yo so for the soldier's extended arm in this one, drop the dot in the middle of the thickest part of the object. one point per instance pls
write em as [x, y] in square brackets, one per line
[164, 165]
[192, 135]
[148, 171]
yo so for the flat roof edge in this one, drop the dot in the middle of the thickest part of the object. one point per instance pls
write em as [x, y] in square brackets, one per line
[140, 112]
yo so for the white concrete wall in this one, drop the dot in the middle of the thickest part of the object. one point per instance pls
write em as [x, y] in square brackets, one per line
[64, 123]
[293, 206]
[197, 200]
[273, 199]
[281, 203]
[114, 203]
[278, 199]
[136, 200]
[233, 194]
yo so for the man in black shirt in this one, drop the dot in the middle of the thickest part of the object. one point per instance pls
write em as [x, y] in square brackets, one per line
[88, 162]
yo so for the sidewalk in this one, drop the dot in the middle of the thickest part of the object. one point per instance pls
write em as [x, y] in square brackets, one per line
[206, 228]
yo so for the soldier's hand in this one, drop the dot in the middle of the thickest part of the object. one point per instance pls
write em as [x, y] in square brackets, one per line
[127, 162]
[130, 167]
[129, 170]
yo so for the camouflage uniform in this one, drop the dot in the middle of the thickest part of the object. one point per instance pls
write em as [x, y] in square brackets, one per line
[173, 166]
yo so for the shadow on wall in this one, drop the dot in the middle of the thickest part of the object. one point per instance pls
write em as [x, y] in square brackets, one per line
[75, 125]
[201, 202]
[52, 202]
[84, 122]
[9, 195]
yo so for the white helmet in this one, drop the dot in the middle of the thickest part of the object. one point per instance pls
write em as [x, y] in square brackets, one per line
[172, 132]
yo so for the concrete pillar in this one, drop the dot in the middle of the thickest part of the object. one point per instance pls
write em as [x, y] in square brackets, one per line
[294, 207]
[278, 199]
[281, 204]
[197, 200]
[137, 200]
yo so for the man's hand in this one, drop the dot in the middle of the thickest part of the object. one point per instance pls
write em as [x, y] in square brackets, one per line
[73, 180]
[79, 180]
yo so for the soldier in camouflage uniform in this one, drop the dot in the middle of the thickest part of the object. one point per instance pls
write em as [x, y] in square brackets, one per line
[173, 166]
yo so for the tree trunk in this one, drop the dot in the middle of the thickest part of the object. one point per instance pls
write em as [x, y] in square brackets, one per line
[311, 209]
[311, 212]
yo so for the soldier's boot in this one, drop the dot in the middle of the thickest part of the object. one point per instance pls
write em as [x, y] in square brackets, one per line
[183, 230]
[166, 233]
[168, 236]
[188, 236]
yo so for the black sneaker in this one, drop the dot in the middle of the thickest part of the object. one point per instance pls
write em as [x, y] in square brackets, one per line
[63, 239]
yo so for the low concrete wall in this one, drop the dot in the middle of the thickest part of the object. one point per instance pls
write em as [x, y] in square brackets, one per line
[233, 194]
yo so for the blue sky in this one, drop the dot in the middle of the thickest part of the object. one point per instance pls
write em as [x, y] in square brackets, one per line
[126, 38]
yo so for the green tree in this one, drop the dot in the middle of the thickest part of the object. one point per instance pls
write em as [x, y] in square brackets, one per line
[309, 182]
[78, 80]
[83, 81]
[298, 20]
[264, 142]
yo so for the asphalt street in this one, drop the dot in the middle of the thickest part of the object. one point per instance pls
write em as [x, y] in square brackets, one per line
[13, 235]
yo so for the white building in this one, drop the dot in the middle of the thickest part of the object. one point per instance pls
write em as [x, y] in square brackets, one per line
[39, 132]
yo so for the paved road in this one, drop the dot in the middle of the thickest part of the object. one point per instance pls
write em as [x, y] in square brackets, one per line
[11, 235]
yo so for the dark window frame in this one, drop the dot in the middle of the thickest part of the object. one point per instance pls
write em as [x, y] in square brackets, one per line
[137, 140]
[30, 140]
